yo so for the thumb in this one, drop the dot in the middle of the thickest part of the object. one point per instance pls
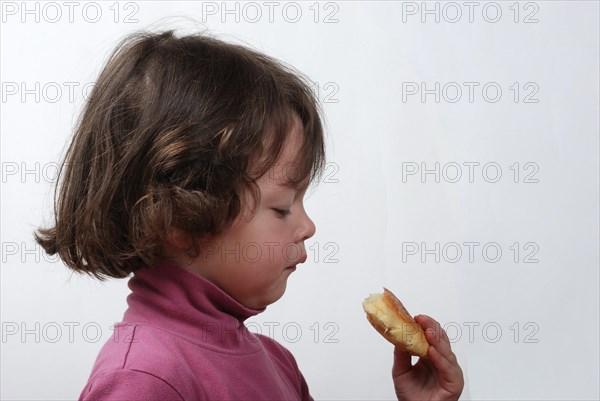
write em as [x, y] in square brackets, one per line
[402, 362]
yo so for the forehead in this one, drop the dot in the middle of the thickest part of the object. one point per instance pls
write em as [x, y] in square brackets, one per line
[286, 170]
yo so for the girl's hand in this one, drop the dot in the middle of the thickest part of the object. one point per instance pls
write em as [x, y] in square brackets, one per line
[437, 378]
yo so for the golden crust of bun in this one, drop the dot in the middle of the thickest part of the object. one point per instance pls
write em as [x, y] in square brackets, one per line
[390, 318]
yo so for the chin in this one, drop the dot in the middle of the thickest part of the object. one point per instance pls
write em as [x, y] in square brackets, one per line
[277, 296]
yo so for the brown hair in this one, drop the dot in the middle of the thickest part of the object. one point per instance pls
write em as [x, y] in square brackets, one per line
[173, 133]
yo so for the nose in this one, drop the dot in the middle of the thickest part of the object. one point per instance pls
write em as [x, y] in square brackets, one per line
[307, 227]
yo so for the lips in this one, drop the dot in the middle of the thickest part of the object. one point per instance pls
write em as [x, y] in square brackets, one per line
[299, 261]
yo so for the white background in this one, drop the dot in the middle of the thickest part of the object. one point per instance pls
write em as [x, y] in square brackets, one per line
[520, 330]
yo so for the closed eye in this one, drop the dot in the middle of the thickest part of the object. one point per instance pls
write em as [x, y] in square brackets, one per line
[282, 212]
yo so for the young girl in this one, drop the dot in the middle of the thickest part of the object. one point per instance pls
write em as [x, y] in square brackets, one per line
[187, 171]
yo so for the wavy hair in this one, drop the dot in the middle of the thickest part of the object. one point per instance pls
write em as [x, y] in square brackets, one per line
[174, 132]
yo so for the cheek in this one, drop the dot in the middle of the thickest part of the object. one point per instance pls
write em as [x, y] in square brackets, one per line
[266, 224]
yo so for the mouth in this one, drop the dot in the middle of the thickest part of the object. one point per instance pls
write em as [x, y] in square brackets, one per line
[300, 261]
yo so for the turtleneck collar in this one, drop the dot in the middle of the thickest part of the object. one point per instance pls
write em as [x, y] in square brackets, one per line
[190, 306]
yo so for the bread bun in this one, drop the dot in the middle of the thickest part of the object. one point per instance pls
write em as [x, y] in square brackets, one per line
[391, 319]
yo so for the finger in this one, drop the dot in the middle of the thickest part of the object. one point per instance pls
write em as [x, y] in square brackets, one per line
[436, 336]
[445, 368]
[402, 363]
[450, 373]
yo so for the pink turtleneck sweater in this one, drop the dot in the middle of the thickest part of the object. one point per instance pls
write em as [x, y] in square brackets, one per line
[184, 338]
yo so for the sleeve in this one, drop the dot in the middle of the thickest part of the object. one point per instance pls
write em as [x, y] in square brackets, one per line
[288, 364]
[304, 393]
[131, 385]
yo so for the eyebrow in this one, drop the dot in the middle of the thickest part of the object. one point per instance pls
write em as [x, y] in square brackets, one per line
[296, 186]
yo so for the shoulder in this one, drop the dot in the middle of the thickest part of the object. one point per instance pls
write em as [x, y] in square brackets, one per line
[128, 384]
[139, 357]
[279, 352]
[286, 361]
[273, 346]
[138, 347]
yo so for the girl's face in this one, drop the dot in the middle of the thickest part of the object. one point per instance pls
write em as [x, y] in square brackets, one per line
[253, 258]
